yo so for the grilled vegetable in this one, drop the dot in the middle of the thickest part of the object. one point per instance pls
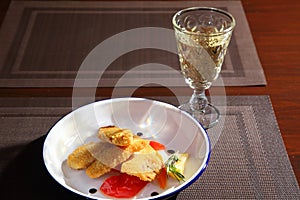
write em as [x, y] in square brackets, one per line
[162, 178]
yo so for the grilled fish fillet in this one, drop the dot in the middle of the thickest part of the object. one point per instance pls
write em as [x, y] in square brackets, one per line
[115, 135]
[97, 169]
[81, 157]
[109, 154]
[112, 156]
[137, 144]
[145, 164]
[116, 147]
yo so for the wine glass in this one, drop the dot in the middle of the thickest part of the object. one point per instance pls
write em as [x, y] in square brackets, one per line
[202, 36]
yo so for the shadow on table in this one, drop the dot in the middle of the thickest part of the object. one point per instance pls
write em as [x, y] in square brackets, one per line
[26, 177]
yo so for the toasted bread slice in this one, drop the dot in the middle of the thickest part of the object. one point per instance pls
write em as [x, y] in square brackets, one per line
[145, 164]
[81, 157]
[116, 135]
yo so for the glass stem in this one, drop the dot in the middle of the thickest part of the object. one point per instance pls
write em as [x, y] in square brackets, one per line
[198, 101]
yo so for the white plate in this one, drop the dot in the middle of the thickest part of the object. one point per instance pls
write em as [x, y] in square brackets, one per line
[157, 121]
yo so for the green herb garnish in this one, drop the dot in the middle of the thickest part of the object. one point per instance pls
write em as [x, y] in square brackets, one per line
[171, 167]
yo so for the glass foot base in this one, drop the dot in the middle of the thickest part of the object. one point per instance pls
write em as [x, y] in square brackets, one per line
[207, 117]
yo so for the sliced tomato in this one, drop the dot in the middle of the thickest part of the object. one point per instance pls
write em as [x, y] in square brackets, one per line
[122, 186]
[157, 146]
[162, 178]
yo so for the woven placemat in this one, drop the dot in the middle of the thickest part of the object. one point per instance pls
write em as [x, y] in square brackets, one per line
[66, 44]
[248, 159]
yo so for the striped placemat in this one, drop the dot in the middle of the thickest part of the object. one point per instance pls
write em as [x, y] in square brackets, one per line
[248, 159]
[110, 44]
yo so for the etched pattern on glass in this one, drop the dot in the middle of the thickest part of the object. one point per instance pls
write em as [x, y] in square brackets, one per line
[202, 48]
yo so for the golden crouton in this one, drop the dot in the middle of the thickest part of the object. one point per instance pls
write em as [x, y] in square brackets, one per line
[145, 164]
[97, 169]
[115, 135]
[81, 157]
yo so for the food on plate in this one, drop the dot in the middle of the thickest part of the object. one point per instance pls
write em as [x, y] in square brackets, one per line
[139, 161]
[109, 154]
[175, 165]
[162, 178]
[145, 164]
[97, 169]
[137, 144]
[116, 135]
[157, 146]
[81, 157]
[97, 158]
[122, 186]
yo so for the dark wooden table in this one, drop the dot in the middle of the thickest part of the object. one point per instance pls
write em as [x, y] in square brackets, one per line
[275, 26]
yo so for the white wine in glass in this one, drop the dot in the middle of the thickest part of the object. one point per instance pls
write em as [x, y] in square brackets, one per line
[202, 35]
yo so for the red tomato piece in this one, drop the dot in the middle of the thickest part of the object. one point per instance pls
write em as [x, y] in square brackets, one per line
[122, 186]
[162, 178]
[157, 146]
